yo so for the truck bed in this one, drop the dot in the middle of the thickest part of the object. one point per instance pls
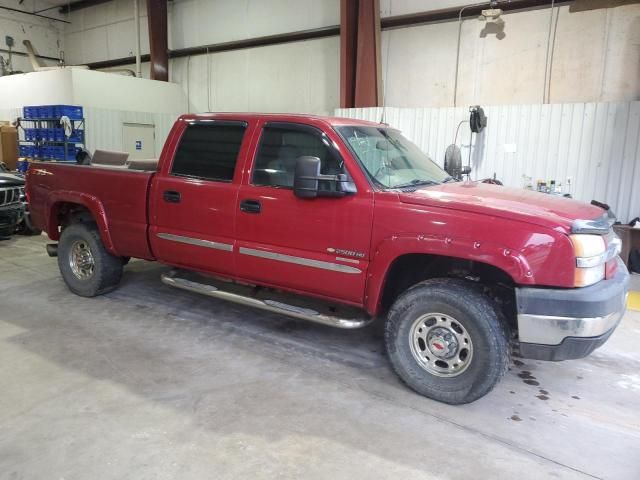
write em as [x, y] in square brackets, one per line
[116, 197]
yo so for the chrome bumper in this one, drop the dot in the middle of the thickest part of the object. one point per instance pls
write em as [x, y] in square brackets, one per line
[560, 324]
[551, 330]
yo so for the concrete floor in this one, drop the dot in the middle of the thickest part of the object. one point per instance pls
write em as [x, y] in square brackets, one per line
[151, 382]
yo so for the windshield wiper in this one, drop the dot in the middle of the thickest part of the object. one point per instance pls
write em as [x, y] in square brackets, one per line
[415, 182]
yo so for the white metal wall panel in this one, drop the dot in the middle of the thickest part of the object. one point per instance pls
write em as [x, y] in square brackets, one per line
[104, 127]
[596, 145]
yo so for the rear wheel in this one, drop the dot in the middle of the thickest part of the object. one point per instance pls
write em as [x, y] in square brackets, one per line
[86, 266]
[445, 340]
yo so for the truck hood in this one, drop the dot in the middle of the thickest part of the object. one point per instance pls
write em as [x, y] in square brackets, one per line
[549, 211]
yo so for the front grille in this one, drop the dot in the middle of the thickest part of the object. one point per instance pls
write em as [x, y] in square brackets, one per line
[9, 195]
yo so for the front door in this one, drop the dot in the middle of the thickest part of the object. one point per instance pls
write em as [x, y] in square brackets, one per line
[318, 246]
[193, 203]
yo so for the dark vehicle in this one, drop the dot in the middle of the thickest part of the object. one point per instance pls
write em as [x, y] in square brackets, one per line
[11, 205]
[25, 226]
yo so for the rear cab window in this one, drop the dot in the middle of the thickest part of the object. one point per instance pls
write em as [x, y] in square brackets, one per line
[209, 150]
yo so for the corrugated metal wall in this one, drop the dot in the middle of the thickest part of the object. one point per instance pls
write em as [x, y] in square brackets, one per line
[595, 145]
[104, 127]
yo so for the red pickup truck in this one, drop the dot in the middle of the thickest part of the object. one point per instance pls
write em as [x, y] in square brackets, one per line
[340, 221]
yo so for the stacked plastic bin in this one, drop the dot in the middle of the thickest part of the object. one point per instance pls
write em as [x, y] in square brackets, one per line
[44, 137]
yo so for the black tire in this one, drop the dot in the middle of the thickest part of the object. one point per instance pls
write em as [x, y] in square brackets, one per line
[475, 312]
[107, 268]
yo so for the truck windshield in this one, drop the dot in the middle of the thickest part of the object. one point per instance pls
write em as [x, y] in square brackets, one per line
[390, 159]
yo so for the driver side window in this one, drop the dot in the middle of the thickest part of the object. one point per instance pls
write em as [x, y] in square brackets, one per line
[281, 145]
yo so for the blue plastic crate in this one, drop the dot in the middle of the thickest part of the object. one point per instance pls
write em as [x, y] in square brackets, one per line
[23, 166]
[77, 136]
[31, 134]
[53, 112]
[57, 152]
[26, 150]
[74, 112]
[53, 152]
[47, 111]
[30, 112]
[72, 151]
[57, 135]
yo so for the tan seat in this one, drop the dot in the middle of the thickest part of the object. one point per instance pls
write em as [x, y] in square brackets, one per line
[150, 164]
[107, 158]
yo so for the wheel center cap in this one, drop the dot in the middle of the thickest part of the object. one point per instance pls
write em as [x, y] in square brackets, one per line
[442, 343]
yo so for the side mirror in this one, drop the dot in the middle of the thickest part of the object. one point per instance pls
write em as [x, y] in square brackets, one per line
[305, 179]
[453, 163]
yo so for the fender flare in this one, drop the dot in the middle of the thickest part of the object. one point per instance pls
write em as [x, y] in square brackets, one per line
[90, 202]
[510, 261]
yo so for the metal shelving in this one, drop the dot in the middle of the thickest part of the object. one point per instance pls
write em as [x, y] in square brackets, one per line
[44, 138]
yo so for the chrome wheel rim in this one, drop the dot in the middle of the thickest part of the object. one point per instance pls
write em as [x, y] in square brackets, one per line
[441, 345]
[81, 260]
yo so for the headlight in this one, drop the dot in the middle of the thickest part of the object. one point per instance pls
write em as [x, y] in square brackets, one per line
[591, 256]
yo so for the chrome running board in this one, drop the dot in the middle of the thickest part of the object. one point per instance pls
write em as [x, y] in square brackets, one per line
[249, 296]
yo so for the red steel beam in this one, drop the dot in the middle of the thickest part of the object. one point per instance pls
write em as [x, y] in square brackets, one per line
[367, 91]
[158, 39]
[359, 53]
[348, 49]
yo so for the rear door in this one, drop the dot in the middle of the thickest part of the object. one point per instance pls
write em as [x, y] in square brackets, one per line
[318, 246]
[193, 200]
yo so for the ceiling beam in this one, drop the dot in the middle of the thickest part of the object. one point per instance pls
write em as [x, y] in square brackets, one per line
[230, 46]
[33, 14]
[72, 7]
[399, 21]
[453, 13]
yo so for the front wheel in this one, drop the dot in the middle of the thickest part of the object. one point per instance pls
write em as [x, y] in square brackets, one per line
[445, 340]
[86, 266]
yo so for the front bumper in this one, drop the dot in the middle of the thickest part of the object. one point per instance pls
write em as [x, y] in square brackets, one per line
[10, 216]
[562, 324]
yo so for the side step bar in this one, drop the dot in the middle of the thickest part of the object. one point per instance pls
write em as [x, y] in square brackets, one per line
[172, 279]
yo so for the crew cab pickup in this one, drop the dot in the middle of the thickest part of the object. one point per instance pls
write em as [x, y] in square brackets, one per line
[340, 221]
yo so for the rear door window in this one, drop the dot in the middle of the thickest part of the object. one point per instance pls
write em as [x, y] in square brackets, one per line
[209, 150]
